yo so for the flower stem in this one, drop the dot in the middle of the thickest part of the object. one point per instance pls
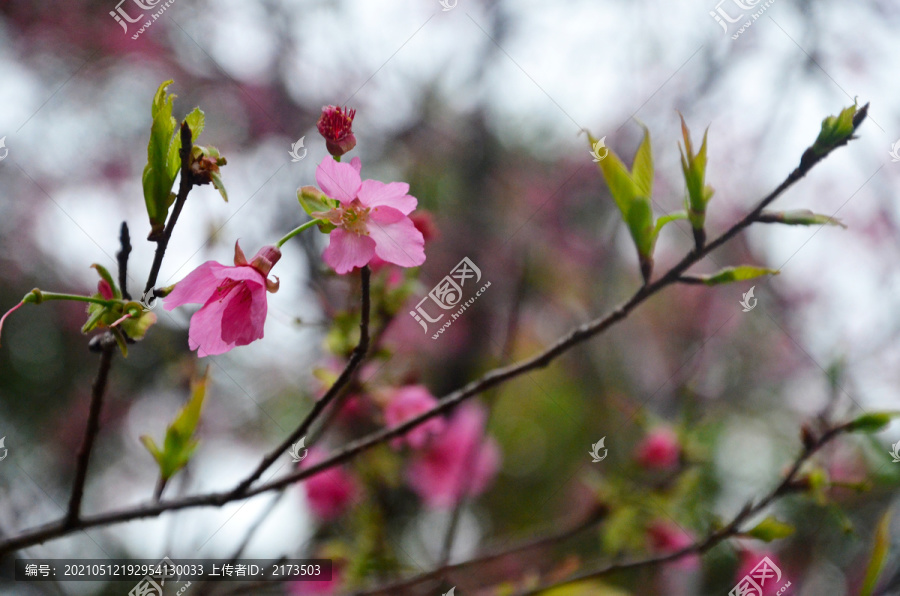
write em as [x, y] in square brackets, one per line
[76, 298]
[296, 231]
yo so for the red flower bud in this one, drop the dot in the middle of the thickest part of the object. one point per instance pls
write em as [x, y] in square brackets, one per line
[336, 125]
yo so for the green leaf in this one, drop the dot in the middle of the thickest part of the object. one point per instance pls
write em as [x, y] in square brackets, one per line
[871, 423]
[640, 223]
[179, 443]
[771, 529]
[618, 179]
[642, 170]
[157, 182]
[739, 273]
[694, 170]
[219, 184]
[799, 217]
[662, 221]
[196, 121]
[879, 555]
[836, 130]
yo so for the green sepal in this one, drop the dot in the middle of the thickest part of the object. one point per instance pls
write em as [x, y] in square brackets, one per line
[733, 274]
[771, 529]
[105, 275]
[314, 201]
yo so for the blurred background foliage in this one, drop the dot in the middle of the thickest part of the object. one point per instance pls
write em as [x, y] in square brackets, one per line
[480, 110]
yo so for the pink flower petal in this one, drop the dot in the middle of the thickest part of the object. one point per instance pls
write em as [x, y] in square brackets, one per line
[339, 181]
[205, 333]
[244, 318]
[248, 274]
[347, 250]
[396, 238]
[197, 287]
[356, 163]
[373, 193]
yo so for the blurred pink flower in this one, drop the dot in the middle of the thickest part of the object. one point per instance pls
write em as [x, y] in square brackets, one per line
[749, 559]
[317, 588]
[667, 537]
[336, 125]
[459, 461]
[329, 493]
[233, 298]
[372, 219]
[406, 403]
[660, 449]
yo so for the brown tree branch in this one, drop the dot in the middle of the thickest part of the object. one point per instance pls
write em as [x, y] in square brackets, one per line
[490, 379]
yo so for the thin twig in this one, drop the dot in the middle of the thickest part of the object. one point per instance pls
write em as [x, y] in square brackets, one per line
[184, 189]
[356, 357]
[122, 259]
[448, 402]
[595, 517]
[90, 433]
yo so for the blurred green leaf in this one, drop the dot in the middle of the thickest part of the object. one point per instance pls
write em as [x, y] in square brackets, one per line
[642, 170]
[879, 554]
[196, 121]
[179, 443]
[694, 169]
[800, 217]
[871, 423]
[771, 529]
[739, 273]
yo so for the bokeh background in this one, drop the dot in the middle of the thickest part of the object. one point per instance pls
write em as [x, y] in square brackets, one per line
[480, 109]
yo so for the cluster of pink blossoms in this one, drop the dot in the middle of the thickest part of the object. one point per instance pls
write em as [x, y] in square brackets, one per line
[370, 223]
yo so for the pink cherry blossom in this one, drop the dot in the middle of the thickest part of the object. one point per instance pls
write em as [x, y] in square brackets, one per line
[406, 403]
[331, 492]
[660, 450]
[233, 298]
[372, 219]
[459, 461]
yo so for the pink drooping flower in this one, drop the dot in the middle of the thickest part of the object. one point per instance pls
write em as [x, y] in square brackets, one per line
[372, 219]
[666, 537]
[406, 403]
[459, 461]
[233, 298]
[336, 125]
[660, 450]
[331, 492]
